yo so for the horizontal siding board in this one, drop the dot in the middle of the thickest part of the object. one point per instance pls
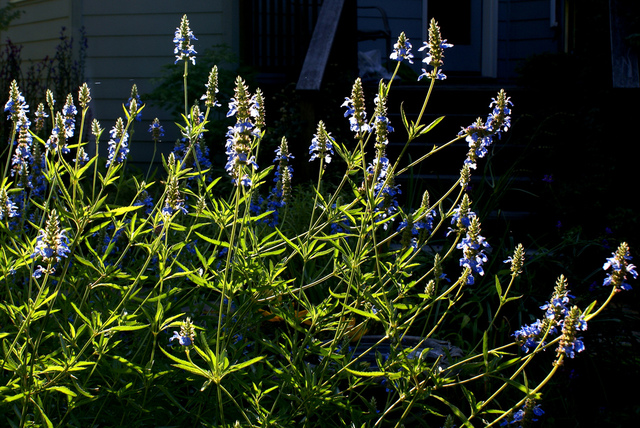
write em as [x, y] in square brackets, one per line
[526, 10]
[526, 48]
[45, 31]
[125, 68]
[157, 24]
[141, 48]
[527, 30]
[151, 46]
[150, 7]
[41, 11]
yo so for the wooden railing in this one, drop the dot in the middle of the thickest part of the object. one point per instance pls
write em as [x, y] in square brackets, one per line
[317, 56]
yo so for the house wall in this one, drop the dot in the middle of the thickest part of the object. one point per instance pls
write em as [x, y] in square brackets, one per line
[128, 43]
[525, 29]
[403, 15]
[38, 27]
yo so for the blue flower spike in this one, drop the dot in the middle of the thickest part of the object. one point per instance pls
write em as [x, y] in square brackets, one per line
[321, 144]
[356, 110]
[620, 268]
[52, 244]
[569, 342]
[402, 49]
[183, 49]
[435, 53]
[241, 136]
[530, 412]
[187, 334]
[118, 144]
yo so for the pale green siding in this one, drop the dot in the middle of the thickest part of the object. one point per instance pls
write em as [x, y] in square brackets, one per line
[128, 43]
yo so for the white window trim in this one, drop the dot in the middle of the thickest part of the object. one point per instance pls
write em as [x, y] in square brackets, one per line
[489, 67]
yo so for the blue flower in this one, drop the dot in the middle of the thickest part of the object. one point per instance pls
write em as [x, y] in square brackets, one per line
[40, 116]
[182, 39]
[144, 200]
[69, 112]
[435, 52]
[118, 144]
[81, 157]
[209, 96]
[517, 260]
[174, 201]
[192, 149]
[619, 268]
[462, 215]
[186, 335]
[8, 208]
[321, 144]
[384, 189]
[134, 103]
[480, 134]
[530, 336]
[569, 342]
[499, 120]
[52, 243]
[411, 229]
[402, 49]
[356, 110]
[182, 340]
[281, 192]
[241, 136]
[57, 141]
[530, 412]
[472, 246]
[378, 175]
[156, 129]
[16, 103]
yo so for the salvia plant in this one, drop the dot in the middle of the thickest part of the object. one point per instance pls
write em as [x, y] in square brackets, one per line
[143, 301]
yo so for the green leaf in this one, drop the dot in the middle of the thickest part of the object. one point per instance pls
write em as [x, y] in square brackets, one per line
[213, 241]
[388, 375]
[429, 127]
[455, 411]
[365, 314]
[63, 389]
[291, 244]
[244, 364]
[80, 314]
[43, 414]
[485, 348]
[129, 327]
[187, 366]
[115, 212]
[403, 116]
[499, 288]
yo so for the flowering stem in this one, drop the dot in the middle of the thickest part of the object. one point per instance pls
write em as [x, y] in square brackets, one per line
[530, 393]
[95, 167]
[425, 156]
[426, 101]
[153, 158]
[226, 279]
[527, 360]
[315, 199]
[75, 179]
[184, 81]
[601, 308]
[11, 143]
